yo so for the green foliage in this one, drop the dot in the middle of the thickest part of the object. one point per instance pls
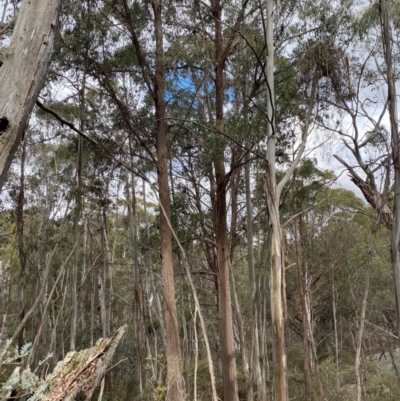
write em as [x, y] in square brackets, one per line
[23, 380]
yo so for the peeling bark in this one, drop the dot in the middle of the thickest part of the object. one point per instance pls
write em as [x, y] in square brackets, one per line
[77, 377]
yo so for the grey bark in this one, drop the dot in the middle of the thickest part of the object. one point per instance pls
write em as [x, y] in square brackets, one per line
[131, 201]
[273, 192]
[77, 216]
[272, 195]
[394, 129]
[22, 74]
[21, 250]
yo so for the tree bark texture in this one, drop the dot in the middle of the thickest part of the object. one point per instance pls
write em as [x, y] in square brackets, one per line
[77, 216]
[394, 129]
[173, 354]
[21, 248]
[22, 74]
[306, 352]
[75, 378]
[228, 354]
[272, 195]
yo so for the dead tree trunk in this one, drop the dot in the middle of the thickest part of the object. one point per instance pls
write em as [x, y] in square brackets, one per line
[75, 378]
[22, 73]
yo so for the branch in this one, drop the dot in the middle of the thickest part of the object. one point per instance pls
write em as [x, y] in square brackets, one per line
[302, 147]
[370, 193]
[304, 211]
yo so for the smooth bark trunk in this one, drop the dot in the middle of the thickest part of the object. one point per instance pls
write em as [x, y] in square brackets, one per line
[306, 352]
[77, 216]
[272, 195]
[131, 201]
[394, 246]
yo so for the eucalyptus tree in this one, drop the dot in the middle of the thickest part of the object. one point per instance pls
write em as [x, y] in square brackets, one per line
[364, 96]
[273, 190]
[148, 66]
[395, 150]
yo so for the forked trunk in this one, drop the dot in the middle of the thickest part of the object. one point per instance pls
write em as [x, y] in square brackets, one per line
[272, 195]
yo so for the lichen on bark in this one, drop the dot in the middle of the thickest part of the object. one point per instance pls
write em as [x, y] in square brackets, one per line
[76, 378]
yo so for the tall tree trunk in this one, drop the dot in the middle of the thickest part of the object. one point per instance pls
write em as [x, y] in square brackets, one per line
[228, 354]
[101, 285]
[235, 184]
[77, 216]
[175, 391]
[131, 201]
[107, 275]
[22, 74]
[21, 250]
[272, 195]
[394, 247]
[255, 367]
[242, 340]
[335, 328]
[151, 279]
[359, 344]
[306, 351]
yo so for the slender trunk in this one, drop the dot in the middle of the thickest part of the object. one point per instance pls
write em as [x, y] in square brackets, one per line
[21, 251]
[149, 267]
[360, 337]
[272, 195]
[102, 300]
[77, 216]
[313, 353]
[335, 328]
[235, 184]
[107, 276]
[394, 249]
[83, 274]
[239, 319]
[92, 302]
[228, 354]
[359, 344]
[42, 287]
[196, 356]
[175, 390]
[306, 352]
[101, 284]
[3, 16]
[199, 312]
[44, 314]
[131, 201]
[254, 293]
[264, 361]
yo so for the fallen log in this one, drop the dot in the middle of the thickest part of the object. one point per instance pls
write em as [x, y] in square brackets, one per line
[76, 378]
